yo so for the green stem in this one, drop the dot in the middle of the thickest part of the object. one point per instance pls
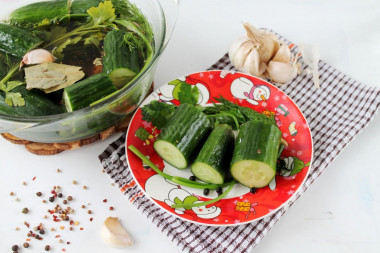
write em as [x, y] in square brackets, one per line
[207, 202]
[10, 74]
[174, 179]
[79, 31]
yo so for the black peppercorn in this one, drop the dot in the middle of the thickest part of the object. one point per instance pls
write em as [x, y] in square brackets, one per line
[206, 191]
[219, 190]
[51, 199]
[15, 247]
[192, 178]
[252, 190]
[47, 247]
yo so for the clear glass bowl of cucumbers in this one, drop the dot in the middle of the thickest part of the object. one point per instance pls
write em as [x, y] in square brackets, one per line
[70, 69]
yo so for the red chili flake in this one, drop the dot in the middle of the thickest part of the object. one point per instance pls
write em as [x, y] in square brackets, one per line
[81, 228]
[52, 192]
[91, 219]
[34, 178]
[71, 222]
[26, 224]
[111, 208]
[27, 239]
[104, 200]
[68, 242]
[57, 236]
[64, 250]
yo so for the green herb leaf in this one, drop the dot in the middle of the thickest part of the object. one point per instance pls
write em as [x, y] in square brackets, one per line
[157, 113]
[142, 133]
[103, 13]
[13, 84]
[188, 94]
[58, 52]
[56, 32]
[12, 98]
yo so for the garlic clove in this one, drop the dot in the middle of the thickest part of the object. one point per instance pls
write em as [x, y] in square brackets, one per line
[241, 55]
[252, 63]
[235, 46]
[37, 56]
[114, 234]
[283, 54]
[281, 72]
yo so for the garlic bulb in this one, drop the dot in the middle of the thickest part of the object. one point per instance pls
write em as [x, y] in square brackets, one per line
[252, 52]
[265, 42]
[114, 234]
[259, 53]
[37, 56]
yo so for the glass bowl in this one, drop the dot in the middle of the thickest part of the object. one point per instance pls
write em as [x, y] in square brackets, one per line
[91, 120]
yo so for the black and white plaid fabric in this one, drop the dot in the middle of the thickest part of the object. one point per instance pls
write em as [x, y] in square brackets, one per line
[336, 113]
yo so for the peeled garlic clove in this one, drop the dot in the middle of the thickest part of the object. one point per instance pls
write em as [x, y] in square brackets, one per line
[114, 234]
[281, 72]
[283, 54]
[37, 56]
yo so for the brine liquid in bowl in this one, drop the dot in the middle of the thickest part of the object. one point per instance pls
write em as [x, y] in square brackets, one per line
[115, 43]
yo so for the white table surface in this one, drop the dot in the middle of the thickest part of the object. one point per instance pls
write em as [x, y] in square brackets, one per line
[340, 212]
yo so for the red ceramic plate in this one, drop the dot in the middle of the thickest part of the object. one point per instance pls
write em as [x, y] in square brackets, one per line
[239, 206]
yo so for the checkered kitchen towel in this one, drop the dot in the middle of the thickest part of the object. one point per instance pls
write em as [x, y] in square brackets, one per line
[336, 113]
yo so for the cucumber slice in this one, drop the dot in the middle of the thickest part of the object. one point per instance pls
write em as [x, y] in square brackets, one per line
[207, 173]
[181, 135]
[212, 161]
[255, 155]
[252, 173]
[171, 153]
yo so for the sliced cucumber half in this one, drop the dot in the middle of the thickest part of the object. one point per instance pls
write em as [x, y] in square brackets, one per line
[207, 173]
[253, 173]
[170, 153]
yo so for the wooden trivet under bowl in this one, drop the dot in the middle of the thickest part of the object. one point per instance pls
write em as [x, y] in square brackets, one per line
[39, 148]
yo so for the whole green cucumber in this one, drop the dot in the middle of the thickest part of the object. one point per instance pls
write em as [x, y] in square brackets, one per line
[181, 135]
[16, 41]
[36, 12]
[212, 162]
[36, 104]
[81, 6]
[87, 91]
[254, 159]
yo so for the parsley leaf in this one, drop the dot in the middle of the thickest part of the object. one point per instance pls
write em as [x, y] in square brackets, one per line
[142, 133]
[12, 98]
[188, 94]
[158, 113]
[103, 13]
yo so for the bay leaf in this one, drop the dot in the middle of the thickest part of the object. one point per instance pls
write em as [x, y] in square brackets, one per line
[51, 76]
